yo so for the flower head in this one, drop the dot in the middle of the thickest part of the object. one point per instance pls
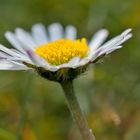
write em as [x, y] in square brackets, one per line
[56, 51]
[62, 51]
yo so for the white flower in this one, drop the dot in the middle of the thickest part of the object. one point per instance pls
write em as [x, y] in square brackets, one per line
[25, 45]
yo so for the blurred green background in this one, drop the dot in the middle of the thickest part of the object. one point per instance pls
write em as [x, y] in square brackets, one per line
[109, 95]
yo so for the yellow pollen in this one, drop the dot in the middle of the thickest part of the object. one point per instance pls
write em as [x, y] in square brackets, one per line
[61, 51]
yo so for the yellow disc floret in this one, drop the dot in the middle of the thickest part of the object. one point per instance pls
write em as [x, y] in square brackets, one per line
[61, 51]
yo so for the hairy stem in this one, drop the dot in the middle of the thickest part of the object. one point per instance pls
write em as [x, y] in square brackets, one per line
[75, 110]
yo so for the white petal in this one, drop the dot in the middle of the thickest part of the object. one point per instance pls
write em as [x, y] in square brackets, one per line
[4, 55]
[17, 63]
[112, 45]
[6, 65]
[57, 67]
[126, 32]
[95, 55]
[74, 61]
[20, 60]
[116, 40]
[71, 64]
[40, 34]
[18, 68]
[125, 38]
[26, 39]
[55, 31]
[113, 49]
[98, 39]
[50, 67]
[13, 54]
[19, 53]
[109, 50]
[8, 51]
[13, 40]
[83, 62]
[70, 32]
[35, 58]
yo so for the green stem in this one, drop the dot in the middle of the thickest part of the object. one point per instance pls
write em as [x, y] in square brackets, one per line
[75, 110]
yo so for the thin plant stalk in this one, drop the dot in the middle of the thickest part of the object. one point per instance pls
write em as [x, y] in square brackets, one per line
[76, 112]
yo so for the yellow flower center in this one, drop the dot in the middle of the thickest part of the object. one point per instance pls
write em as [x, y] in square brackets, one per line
[61, 51]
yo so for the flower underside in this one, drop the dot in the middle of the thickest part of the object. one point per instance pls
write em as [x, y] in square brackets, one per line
[63, 50]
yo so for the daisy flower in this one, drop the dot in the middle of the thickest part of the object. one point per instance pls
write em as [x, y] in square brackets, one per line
[56, 54]
[56, 50]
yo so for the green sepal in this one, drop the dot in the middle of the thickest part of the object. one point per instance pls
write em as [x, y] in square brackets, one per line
[61, 75]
